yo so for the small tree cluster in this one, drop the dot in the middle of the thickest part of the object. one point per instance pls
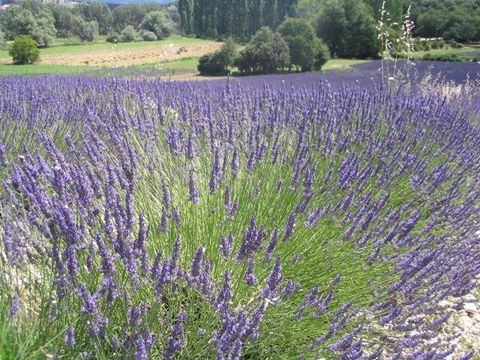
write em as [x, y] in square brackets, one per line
[266, 53]
[219, 62]
[295, 45]
[45, 22]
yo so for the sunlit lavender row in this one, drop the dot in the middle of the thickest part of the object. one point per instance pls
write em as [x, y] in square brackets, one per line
[156, 220]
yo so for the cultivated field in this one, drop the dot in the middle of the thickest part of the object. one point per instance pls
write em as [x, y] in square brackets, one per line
[105, 54]
[175, 57]
[274, 217]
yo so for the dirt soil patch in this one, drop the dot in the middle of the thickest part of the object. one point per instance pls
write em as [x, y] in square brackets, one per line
[132, 56]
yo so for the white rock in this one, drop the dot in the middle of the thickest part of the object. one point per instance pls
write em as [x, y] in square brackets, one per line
[445, 304]
[471, 309]
[465, 323]
[475, 331]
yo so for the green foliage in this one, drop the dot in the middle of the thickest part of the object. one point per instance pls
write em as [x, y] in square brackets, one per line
[395, 8]
[64, 20]
[113, 37]
[322, 56]
[308, 10]
[2, 40]
[149, 36]
[85, 30]
[128, 34]
[131, 15]
[444, 57]
[237, 18]
[266, 53]
[219, 62]
[454, 19]
[332, 25]
[24, 50]
[43, 32]
[348, 28]
[302, 42]
[157, 23]
[98, 12]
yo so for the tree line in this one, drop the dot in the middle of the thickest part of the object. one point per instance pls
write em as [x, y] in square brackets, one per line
[457, 20]
[237, 18]
[86, 21]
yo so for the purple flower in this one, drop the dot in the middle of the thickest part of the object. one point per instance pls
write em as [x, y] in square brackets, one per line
[176, 336]
[3, 156]
[273, 280]
[271, 245]
[197, 262]
[192, 186]
[289, 227]
[15, 306]
[226, 245]
[70, 336]
[250, 277]
[167, 200]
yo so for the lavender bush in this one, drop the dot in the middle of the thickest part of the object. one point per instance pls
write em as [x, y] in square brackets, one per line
[155, 220]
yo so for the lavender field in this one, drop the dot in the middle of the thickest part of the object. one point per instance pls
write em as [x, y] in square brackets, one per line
[248, 219]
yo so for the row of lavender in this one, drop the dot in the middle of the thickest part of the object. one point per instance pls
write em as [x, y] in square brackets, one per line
[148, 219]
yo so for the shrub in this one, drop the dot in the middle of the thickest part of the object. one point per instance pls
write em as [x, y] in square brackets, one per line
[218, 62]
[24, 50]
[443, 57]
[455, 44]
[149, 36]
[113, 37]
[128, 34]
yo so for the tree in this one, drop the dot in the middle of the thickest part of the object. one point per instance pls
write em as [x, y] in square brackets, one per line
[30, 18]
[308, 10]
[98, 12]
[174, 16]
[128, 15]
[43, 32]
[302, 42]
[348, 28]
[85, 31]
[17, 21]
[266, 53]
[332, 25]
[64, 20]
[393, 7]
[219, 62]
[361, 41]
[238, 18]
[128, 34]
[24, 50]
[158, 23]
